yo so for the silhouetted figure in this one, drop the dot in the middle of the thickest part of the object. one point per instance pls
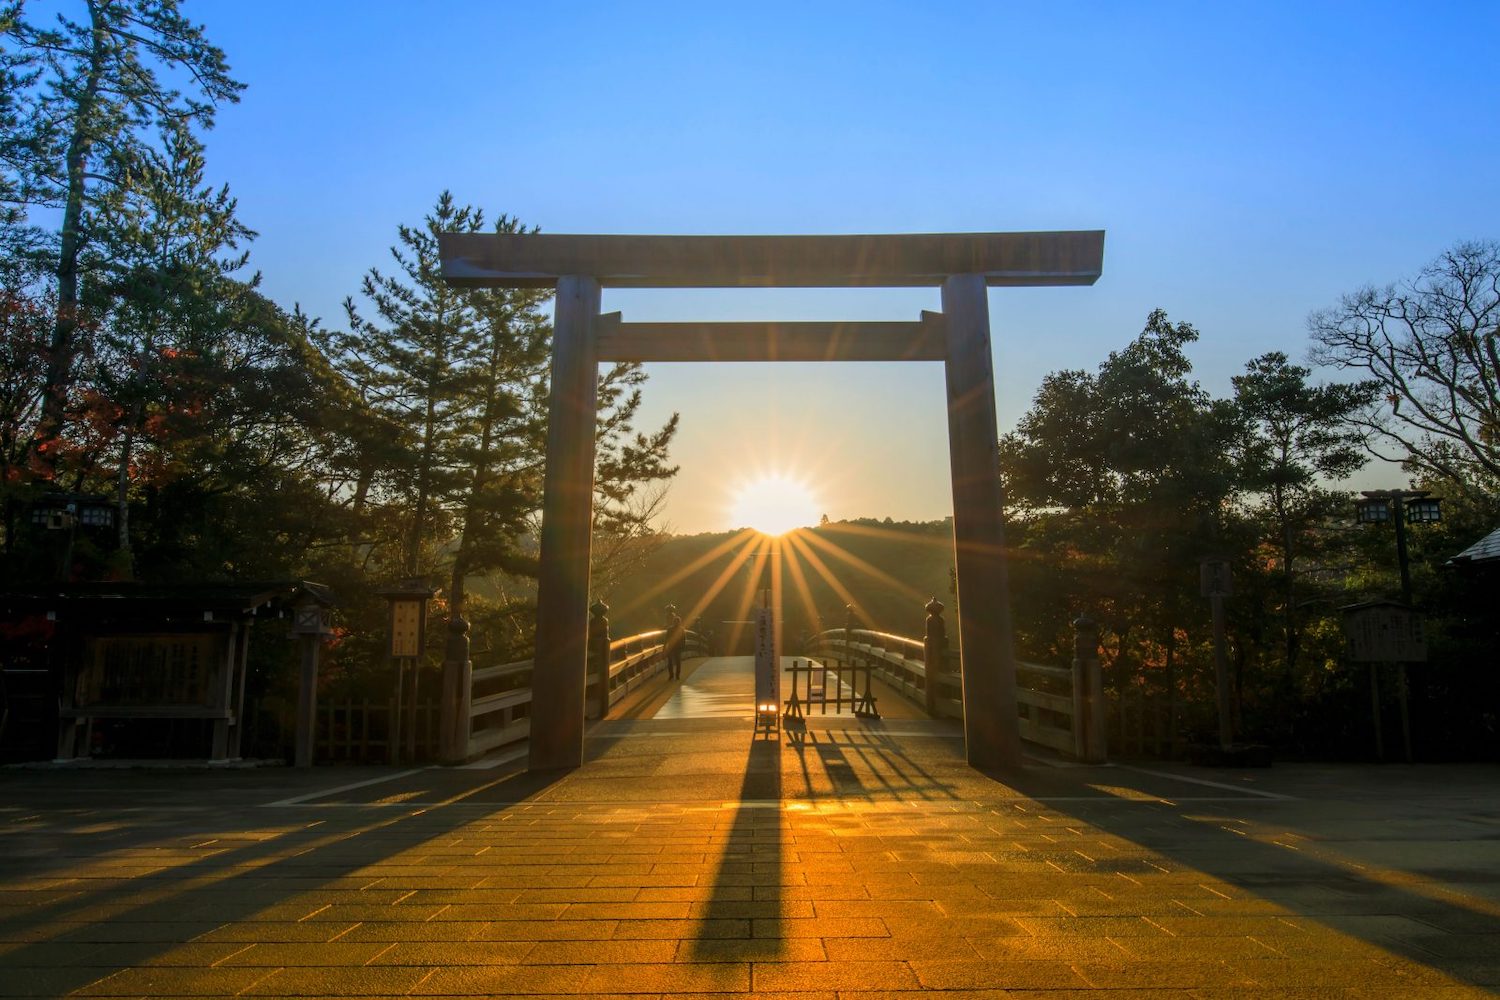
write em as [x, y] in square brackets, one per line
[674, 644]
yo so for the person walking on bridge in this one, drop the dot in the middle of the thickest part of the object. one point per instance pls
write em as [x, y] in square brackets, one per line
[674, 643]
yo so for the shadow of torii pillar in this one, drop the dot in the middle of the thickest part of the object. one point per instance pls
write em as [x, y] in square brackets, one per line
[964, 265]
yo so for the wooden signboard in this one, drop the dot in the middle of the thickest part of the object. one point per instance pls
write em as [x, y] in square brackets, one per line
[406, 628]
[1384, 632]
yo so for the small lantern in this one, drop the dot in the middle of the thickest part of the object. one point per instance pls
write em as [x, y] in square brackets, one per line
[408, 616]
[311, 619]
[1424, 510]
[1375, 510]
[312, 612]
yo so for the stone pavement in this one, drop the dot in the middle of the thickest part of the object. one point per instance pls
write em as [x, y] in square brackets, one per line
[852, 860]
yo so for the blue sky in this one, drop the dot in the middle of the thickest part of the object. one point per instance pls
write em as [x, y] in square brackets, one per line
[1249, 163]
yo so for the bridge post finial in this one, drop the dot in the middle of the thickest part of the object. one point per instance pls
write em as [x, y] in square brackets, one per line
[934, 653]
[454, 721]
[1088, 693]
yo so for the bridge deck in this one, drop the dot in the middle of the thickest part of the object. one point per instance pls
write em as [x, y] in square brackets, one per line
[724, 687]
[859, 859]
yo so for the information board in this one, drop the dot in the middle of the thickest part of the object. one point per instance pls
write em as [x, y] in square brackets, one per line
[406, 628]
[1385, 633]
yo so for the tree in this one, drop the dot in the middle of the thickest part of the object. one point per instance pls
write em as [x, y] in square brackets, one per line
[1124, 474]
[415, 362]
[499, 445]
[1431, 346]
[461, 377]
[165, 244]
[91, 109]
[1297, 437]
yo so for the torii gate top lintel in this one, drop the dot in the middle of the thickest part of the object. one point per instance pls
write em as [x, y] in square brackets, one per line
[532, 260]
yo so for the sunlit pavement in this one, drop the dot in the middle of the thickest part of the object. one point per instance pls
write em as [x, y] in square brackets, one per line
[854, 860]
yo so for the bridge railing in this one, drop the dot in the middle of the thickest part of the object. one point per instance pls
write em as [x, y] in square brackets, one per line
[500, 707]
[1060, 707]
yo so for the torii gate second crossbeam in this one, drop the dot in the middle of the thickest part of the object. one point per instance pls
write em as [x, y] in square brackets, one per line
[964, 265]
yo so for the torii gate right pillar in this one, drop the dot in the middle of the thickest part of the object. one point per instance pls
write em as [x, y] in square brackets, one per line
[991, 731]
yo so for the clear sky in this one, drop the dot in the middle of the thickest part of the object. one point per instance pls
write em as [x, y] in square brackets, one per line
[1250, 163]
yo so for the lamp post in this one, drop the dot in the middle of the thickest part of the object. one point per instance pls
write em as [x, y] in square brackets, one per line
[408, 622]
[1403, 507]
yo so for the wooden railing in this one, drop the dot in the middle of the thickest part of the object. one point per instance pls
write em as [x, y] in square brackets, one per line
[500, 708]
[1059, 707]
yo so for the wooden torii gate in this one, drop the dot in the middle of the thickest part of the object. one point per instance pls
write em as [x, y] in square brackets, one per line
[962, 264]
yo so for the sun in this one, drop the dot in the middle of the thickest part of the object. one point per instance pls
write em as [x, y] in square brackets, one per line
[773, 505]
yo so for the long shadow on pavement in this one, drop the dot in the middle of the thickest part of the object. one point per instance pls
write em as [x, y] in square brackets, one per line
[138, 916]
[1270, 859]
[749, 883]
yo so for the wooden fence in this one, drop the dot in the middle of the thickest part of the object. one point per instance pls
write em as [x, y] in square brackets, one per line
[1059, 707]
[500, 710]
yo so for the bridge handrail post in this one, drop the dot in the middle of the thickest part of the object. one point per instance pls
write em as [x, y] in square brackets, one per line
[454, 723]
[934, 654]
[598, 652]
[1088, 693]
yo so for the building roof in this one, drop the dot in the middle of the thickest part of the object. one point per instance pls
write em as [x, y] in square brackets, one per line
[1487, 549]
[100, 603]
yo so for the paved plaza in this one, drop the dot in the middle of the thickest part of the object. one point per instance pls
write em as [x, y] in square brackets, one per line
[854, 859]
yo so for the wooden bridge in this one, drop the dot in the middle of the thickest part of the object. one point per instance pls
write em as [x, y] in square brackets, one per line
[1061, 708]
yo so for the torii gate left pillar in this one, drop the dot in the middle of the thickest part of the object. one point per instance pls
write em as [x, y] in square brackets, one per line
[965, 265]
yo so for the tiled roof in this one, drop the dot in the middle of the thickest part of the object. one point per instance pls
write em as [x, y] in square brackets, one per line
[1484, 550]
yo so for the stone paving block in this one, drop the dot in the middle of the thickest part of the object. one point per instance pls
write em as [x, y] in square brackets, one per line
[132, 931]
[886, 909]
[339, 981]
[601, 952]
[160, 981]
[1350, 973]
[582, 894]
[398, 930]
[890, 949]
[685, 977]
[694, 894]
[748, 949]
[1031, 974]
[774, 909]
[502, 980]
[820, 927]
[799, 976]
[683, 929]
[1154, 974]
[480, 911]
[954, 927]
[676, 910]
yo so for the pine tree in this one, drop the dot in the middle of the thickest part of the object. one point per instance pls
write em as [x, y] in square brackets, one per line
[415, 360]
[166, 244]
[91, 113]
